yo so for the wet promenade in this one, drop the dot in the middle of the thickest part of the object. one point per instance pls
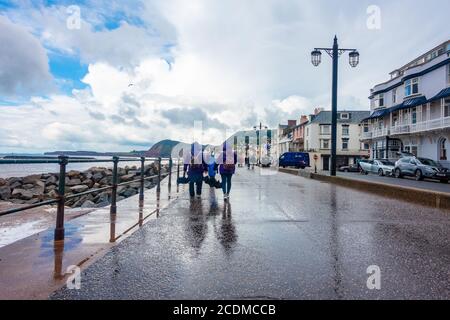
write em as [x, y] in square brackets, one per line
[279, 237]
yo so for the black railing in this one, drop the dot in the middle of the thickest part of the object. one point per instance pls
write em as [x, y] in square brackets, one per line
[61, 198]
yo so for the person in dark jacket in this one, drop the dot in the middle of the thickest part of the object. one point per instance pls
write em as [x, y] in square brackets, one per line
[227, 168]
[195, 166]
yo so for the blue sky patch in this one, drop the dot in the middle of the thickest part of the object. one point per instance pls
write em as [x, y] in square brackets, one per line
[68, 71]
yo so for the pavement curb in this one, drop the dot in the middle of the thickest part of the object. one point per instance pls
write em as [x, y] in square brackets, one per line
[435, 199]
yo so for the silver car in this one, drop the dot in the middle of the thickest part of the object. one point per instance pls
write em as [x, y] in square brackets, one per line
[380, 167]
[421, 168]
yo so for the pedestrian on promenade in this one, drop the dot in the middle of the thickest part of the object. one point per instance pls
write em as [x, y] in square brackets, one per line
[212, 169]
[227, 168]
[195, 166]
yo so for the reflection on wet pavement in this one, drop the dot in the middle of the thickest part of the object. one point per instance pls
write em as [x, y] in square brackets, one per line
[34, 267]
[280, 237]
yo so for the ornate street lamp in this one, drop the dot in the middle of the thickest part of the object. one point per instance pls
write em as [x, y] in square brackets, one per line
[258, 130]
[316, 57]
[334, 53]
[353, 58]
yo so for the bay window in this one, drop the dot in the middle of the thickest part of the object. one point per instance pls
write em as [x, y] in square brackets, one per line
[411, 87]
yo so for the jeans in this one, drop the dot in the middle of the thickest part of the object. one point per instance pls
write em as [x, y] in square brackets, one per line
[196, 179]
[226, 182]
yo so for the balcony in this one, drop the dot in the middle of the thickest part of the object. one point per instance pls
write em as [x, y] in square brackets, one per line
[407, 128]
[376, 133]
[439, 123]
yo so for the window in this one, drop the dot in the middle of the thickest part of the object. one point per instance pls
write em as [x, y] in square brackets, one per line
[345, 144]
[345, 116]
[442, 149]
[345, 130]
[448, 74]
[324, 144]
[366, 128]
[394, 96]
[447, 107]
[325, 129]
[379, 100]
[414, 116]
[366, 146]
[411, 87]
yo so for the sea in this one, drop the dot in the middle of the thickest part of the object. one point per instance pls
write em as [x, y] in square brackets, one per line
[23, 170]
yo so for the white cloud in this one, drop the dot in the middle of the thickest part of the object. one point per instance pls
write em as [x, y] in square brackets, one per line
[236, 62]
[23, 61]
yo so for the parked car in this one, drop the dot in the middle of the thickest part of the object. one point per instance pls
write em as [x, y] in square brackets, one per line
[350, 168]
[266, 161]
[421, 168]
[294, 159]
[380, 167]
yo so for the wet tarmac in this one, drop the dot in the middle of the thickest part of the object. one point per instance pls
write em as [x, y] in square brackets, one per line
[279, 237]
[36, 266]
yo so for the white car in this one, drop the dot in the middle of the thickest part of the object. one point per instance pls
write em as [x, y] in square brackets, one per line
[380, 167]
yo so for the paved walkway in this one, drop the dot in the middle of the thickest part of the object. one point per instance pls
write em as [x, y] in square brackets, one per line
[34, 267]
[281, 237]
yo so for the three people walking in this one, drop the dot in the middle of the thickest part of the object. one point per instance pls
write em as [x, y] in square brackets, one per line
[196, 165]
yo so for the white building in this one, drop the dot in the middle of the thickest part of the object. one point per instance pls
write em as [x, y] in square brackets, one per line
[349, 147]
[411, 111]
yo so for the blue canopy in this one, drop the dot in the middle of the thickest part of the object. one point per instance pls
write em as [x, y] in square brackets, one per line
[410, 103]
[444, 93]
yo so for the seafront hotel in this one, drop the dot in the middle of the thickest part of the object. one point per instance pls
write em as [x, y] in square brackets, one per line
[411, 111]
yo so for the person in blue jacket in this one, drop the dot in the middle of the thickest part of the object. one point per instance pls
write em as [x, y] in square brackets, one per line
[195, 166]
[212, 168]
[227, 168]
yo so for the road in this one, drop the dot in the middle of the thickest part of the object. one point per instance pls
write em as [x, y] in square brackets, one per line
[405, 182]
[280, 237]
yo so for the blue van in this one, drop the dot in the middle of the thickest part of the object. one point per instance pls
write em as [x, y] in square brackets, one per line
[294, 159]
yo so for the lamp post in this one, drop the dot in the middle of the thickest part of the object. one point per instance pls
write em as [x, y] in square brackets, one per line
[258, 130]
[334, 53]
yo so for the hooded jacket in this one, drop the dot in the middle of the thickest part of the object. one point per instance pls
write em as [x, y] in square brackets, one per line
[228, 166]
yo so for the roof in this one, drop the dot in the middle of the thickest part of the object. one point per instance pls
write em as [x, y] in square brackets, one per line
[410, 103]
[444, 93]
[324, 117]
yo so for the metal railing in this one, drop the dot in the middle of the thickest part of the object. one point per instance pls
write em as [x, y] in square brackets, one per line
[407, 127]
[61, 198]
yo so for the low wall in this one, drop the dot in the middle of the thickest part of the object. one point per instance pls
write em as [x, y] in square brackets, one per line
[430, 198]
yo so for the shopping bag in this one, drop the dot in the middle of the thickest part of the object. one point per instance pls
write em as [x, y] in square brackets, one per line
[183, 180]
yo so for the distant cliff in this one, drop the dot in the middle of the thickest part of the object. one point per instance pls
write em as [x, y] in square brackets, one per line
[162, 149]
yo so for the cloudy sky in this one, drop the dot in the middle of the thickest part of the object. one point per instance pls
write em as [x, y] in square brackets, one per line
[130, 73]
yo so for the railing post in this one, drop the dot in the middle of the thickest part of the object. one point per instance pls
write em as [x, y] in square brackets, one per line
[141, 191]
[59, 230]
[170, 173]
[158, 188]
[114, 186]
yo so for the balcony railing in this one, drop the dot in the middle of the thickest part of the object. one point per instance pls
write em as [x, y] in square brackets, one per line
[421, 126]
[376, 133]
[407, 128]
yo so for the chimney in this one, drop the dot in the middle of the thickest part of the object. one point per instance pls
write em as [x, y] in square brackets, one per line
[292, 123]
[317, 110]
[303, 119]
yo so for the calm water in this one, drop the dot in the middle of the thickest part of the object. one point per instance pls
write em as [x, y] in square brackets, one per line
[22, 170]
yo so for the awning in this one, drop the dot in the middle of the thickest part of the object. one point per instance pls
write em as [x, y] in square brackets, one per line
[444, 93]
[410, 103]
[377, 114]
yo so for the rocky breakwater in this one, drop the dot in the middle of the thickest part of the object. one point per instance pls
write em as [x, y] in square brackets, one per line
[36, 188]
